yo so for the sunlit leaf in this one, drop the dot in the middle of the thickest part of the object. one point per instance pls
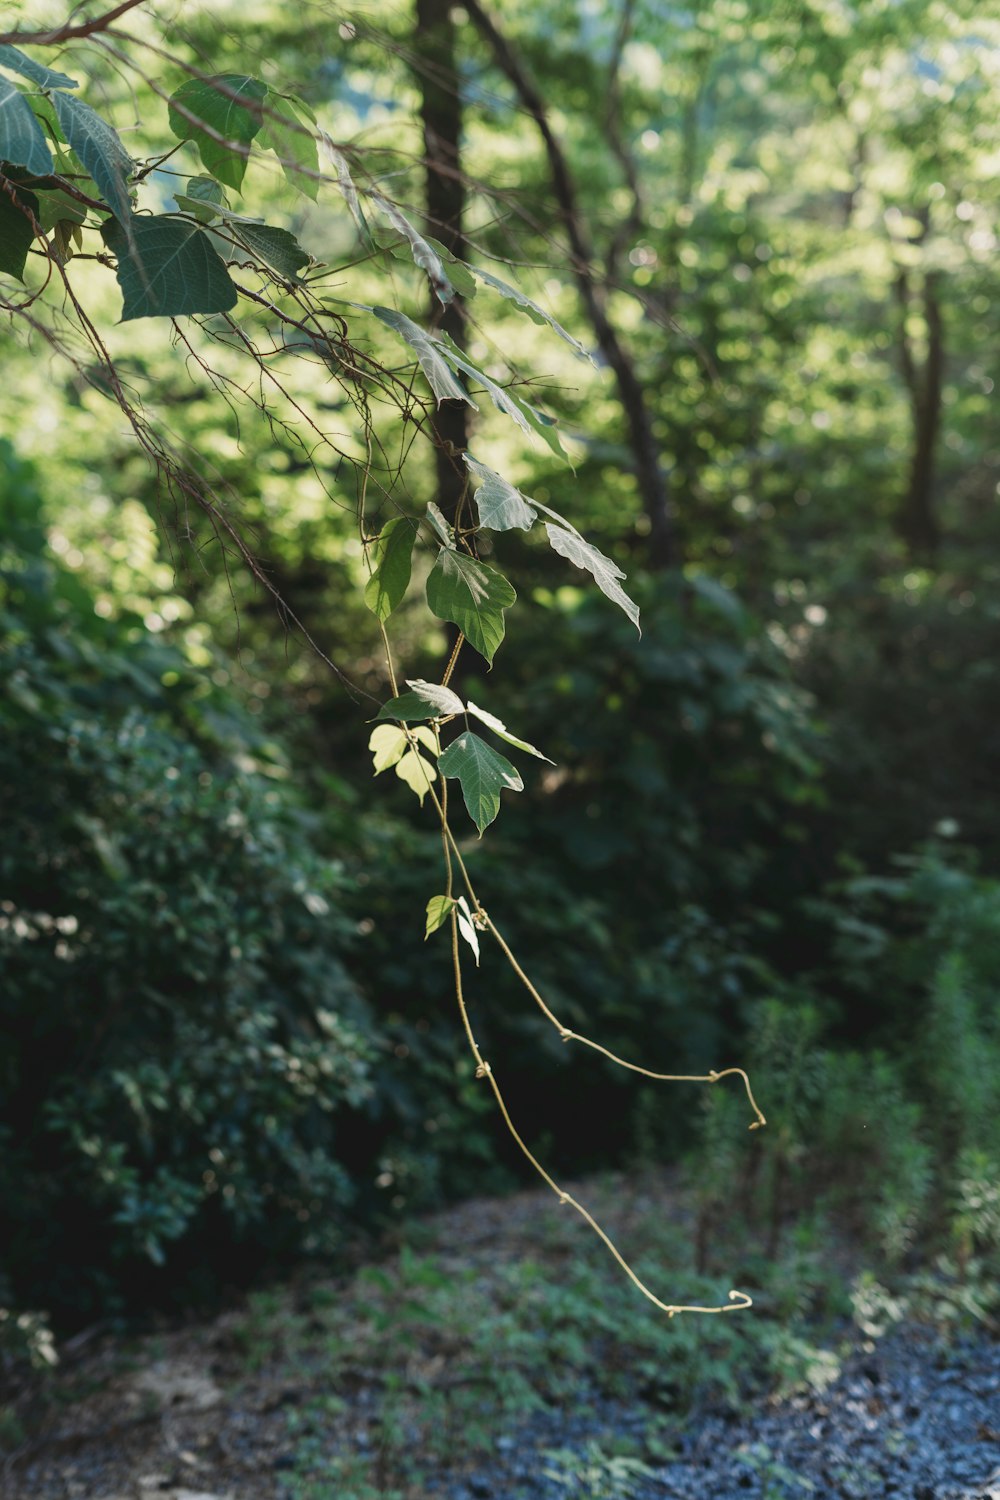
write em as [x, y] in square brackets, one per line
[501, 507]
[167, 268]
[423, 254]
[229, 105]
[417, 772]
[388, 743]
[390, 578]
[534, 312]
[100, 149]
[500, 728]
[428, 351]
[439, 908]
[583, 554]
[439, 525]
[472, 596]
[482, 773]
[467, 927]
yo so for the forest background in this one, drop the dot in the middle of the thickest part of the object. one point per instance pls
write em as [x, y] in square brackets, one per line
[771, 830]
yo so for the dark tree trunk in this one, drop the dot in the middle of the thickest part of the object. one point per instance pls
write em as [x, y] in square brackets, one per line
[441, 118]
[917, 522]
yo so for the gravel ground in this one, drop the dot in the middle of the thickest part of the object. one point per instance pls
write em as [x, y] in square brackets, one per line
[907, 1420]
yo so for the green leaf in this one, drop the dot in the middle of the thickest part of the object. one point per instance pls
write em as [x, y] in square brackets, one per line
[388, 744]
[390, 578]
[56, 207]
[500, 728]
[230, 106]
[204, 200]
[423, 254]
[471, 596]
[467, 927]
[22, 142]
[46, 78]
[428, 700]
[16, 232]
[430, 354]
[346, 184]
[535, 313]
[277, 248]
[482, 772]
[167, 268]
[289, 130]
[501, 507]
[457, 271]
[100, 150]
[569, 543]
[439, 908]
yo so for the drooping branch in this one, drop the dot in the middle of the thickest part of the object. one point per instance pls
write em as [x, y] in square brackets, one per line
[649, 471]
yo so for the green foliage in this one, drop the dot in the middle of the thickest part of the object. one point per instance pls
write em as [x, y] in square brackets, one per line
[180, 1032]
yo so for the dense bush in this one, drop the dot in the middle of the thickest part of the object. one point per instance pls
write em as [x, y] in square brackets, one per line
[179, 1029]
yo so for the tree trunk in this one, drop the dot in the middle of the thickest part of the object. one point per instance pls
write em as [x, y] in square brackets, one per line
[441, 118]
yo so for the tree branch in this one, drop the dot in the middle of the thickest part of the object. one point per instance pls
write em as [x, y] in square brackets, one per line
[68, 32]
[645, 450]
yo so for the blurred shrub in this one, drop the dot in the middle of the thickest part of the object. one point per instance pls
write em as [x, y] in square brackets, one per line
[178, 1029]
[900, 1149]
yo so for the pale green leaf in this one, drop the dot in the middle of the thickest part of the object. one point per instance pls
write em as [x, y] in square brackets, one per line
[535, 313]
[417, 772]
[482, 773]
[46, 78]
[22, 142]
[472, 596]
[467, 927]
[429, 353]
[230, 106]
[500, 728]
[501, 507]
[390, 578]
[388, 743]
[345, 182]
[606, 574]
[16, 231]
[439, 908]
[100, 149]
[423, 254]
[438, 523]
[457, 271]
[167, 268]
[526, 416]
[289, 130]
